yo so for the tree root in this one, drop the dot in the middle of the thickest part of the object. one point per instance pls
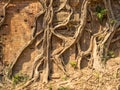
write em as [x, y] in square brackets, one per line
[20, 53]
[4, 13]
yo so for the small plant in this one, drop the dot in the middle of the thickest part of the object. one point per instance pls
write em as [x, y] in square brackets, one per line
[19, 78]
[101, 12]
[73, 64]
[96, 74]
[113, 21]
[105, 58]
[64, 78]
[111, 54]
[50, 87]
[63, 88]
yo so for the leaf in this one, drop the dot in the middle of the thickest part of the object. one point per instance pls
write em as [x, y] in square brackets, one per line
[113, 21]
[63, 88]
[73, 64]
[112, 56]
[50, 87]
[100, 16]
[103, 11]
[111, 52]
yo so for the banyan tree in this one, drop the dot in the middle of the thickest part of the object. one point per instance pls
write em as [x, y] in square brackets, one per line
[83, 29]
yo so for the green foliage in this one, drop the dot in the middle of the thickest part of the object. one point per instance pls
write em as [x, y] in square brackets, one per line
[101, 12]
[19, 78]
[105, 58]
[111, 54]
[73, 64]
[50, 87]
[63, 88]
[64, 78]
[113, 21]
[96, 74]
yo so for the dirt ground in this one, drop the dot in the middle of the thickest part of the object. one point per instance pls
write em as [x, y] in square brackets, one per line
[85, 79]
[17, 31]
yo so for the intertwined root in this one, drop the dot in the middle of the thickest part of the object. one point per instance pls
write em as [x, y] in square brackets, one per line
[99, 42]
